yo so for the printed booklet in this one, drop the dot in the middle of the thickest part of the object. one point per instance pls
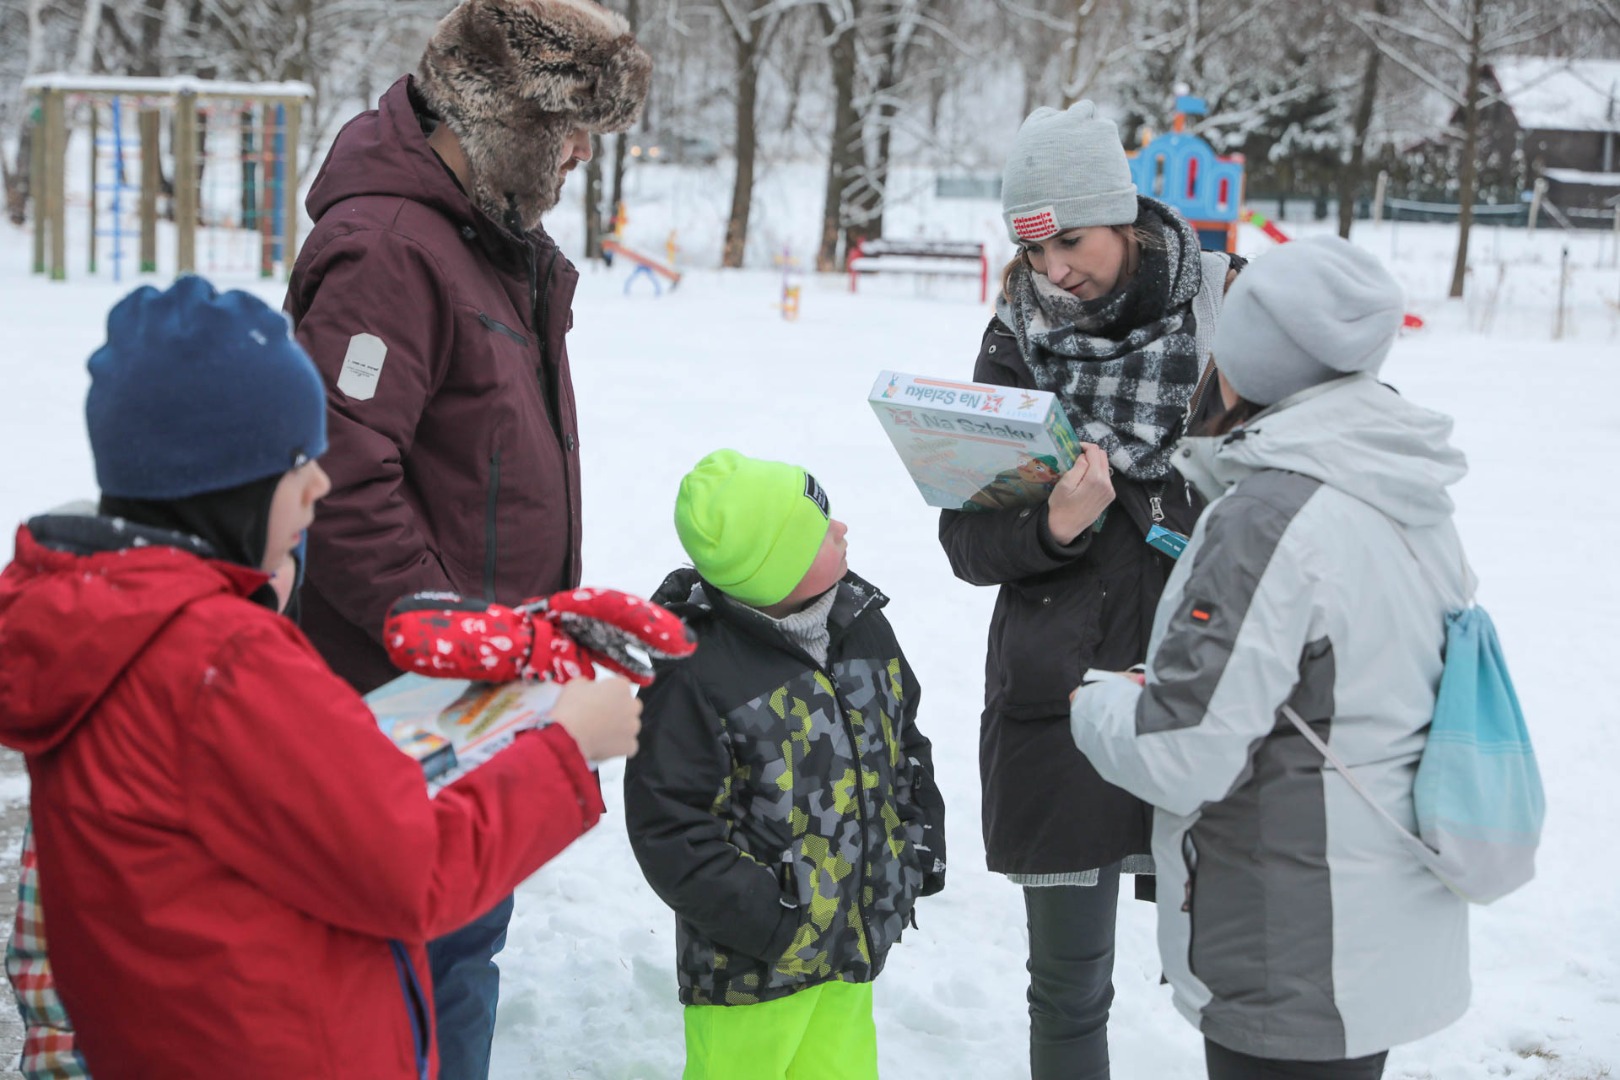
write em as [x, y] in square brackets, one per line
[452, 726]
[974, 447]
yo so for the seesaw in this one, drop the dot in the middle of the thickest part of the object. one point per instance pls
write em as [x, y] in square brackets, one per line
[645, 264]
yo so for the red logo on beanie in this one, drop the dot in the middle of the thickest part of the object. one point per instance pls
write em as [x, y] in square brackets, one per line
[1035, 225]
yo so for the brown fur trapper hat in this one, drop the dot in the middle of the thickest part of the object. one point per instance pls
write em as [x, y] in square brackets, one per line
[512, 78]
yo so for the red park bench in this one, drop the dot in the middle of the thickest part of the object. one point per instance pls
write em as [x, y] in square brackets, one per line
[930, 258]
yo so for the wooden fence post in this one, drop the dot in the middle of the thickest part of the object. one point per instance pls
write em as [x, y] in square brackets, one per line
[294, 112]
[1563, 292]
[267, 188]
[95, 196]
[151, 179]
[36, 181]
[56, 180]
[185, 183]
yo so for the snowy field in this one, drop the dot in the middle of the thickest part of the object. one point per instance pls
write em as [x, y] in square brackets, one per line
[589, 987]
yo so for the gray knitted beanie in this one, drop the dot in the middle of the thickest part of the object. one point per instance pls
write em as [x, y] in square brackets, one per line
[1067, 170]
[1304, 314]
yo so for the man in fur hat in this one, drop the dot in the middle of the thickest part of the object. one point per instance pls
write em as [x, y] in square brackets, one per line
[436, 308]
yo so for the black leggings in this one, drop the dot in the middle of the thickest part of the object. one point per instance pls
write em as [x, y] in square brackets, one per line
[1071, 968]
[1227, 1064]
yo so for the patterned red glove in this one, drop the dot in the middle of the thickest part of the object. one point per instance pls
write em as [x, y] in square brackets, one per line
[559, 637]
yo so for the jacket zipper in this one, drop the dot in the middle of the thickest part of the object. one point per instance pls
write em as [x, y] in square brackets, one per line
[532, 265]
[1189, 858]
[551, 389]
[501, 328]
[860, 815]
[415, 1006]
[539, 301]
[860, 784]
[490, 545]
[860, 787]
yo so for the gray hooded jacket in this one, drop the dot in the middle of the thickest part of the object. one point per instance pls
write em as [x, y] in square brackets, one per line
[1292, 922]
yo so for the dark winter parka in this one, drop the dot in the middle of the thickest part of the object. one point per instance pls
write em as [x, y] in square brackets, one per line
[454, 449]
[743, 804]
[1061, 609]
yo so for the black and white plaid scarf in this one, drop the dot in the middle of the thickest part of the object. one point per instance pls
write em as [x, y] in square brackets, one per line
[1124, 365]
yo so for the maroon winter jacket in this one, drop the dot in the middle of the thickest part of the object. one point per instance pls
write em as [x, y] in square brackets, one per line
[441, 336]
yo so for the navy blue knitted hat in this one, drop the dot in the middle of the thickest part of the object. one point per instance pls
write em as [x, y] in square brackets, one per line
[198, 391]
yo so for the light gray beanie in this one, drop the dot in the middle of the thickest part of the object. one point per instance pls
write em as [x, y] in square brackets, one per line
[1067, 170]
[1308, 312]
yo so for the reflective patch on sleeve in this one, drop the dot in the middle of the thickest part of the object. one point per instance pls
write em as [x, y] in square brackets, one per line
[362, 366]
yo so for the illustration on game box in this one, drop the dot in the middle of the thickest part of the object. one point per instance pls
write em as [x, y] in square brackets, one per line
[975, 447]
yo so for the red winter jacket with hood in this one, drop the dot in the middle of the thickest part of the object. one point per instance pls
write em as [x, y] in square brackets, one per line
[454, 448]
[227, 844]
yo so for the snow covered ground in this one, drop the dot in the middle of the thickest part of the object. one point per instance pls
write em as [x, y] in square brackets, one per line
[589, 981]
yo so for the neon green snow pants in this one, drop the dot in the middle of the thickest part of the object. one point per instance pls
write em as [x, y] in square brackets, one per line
[822, 1033]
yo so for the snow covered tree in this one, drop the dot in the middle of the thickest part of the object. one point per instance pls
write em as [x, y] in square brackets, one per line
[896, 30]
[56, 35]
[752, 24]
[886, 58]
[1448, 45]
[841, 24]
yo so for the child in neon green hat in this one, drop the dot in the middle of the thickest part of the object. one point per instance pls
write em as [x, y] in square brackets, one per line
[789, 879]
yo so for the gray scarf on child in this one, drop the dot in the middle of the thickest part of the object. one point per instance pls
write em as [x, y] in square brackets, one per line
[1125, 365]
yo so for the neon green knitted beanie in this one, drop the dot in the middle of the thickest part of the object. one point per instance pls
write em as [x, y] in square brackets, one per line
[752, 528]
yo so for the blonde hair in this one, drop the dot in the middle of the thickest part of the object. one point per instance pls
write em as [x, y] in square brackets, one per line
[1136, 238]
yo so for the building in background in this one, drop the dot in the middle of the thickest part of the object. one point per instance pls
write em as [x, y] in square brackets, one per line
[1567, 116]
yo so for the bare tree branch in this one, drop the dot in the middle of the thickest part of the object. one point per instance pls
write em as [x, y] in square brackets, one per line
[1448, 18]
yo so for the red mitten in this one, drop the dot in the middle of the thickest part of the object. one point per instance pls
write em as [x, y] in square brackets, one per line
[560, 637]
[445, 637]
[607, 625]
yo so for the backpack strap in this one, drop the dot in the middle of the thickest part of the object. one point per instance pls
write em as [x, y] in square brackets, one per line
[1469, 582]
[1425, 854]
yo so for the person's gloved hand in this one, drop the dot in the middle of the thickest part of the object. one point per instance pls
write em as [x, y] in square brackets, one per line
[557, 637]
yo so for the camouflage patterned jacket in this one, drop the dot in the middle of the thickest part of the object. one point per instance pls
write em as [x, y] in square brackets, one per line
[743, 807]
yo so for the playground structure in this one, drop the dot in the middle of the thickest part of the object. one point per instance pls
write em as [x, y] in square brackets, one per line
[645, 266]
[245, 197]
[1183, 171]
[791, 289]
[613, 247]
[1265, 225]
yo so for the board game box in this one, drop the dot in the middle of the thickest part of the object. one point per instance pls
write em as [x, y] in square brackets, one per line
[451, 726]
[975, 447]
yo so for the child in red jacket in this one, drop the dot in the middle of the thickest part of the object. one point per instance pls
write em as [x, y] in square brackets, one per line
[237, 868]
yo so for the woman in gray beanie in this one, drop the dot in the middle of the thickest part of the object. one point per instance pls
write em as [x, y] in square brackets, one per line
[1307, 939]
[1110, 305]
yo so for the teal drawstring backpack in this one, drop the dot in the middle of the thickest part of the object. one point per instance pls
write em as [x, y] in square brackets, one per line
[1478, 791]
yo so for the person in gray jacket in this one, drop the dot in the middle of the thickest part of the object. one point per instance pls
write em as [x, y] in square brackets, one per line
[1296, 931]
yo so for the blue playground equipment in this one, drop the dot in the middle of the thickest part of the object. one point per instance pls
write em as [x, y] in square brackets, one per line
[118, 186]
[1183, 171]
